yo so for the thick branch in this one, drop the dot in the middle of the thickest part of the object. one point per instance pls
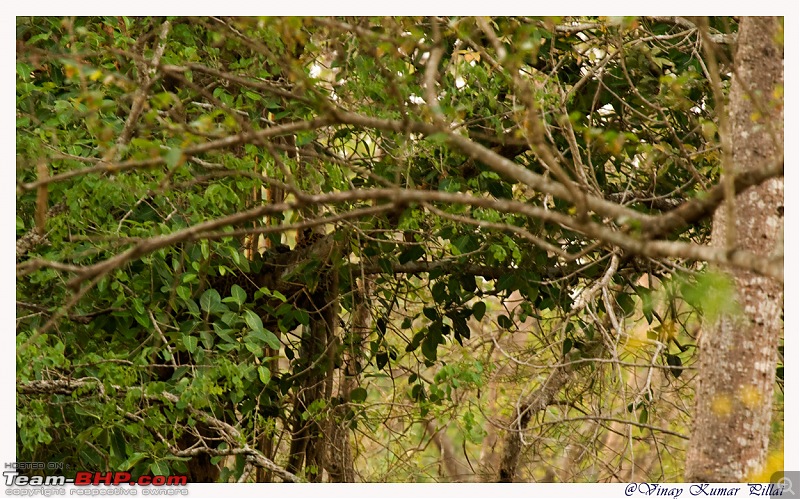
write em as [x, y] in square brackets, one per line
[498, 163]
[535, 402]
[404, 197]
[682, 22]
[703, 206]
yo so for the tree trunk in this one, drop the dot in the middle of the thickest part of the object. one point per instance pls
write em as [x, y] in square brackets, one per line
[738, 351]
[339, 452]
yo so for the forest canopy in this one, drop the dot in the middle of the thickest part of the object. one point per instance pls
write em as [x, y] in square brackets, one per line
[438, 249]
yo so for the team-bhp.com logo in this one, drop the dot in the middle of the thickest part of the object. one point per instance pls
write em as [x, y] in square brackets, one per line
[86, 478]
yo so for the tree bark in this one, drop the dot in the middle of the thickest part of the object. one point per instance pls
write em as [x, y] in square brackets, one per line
[738, 351]
[534, 403]
[339, 452]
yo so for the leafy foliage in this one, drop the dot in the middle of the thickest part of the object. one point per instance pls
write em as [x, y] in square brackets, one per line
[187, 151]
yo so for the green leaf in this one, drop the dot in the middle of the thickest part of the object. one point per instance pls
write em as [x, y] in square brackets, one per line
[381, 324]
[437, 138]
[626, 303]
[479, 310]
[415, 341]
[343, 133]
[220, 309]
[267, 337]
[566, 346]
[159, 468]
[647, 302]
[431, 313]
[305, 138]
[210, 300]
[138, 305]
[411, 254]
[381, 359]
[132, 460]
[190, 342]
[173, 157]
[207, 339]
[461, 328]
[499, 189]
[264, 374]
[253, 347]
[466, 244]
[712, 292]
[468, 282]
[449, 184]
[118, 444]
[358, 394]
[224, 334]
[507, 282]
[674, 361]
[253, 320]
[439, 291]
[429, 345]
[238, 294]
[418, 393]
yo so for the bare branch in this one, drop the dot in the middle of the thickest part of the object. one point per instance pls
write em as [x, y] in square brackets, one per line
[721, 38]
[146, 79]
[432, 74]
